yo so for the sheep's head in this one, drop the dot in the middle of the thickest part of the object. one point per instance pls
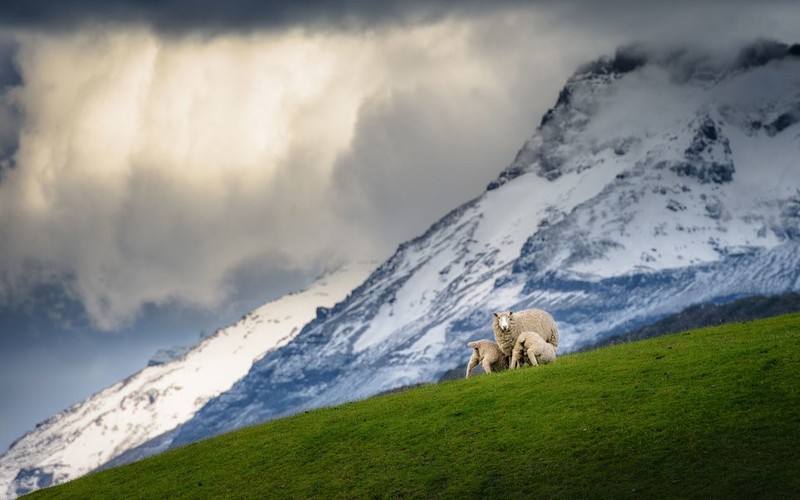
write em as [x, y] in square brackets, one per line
[504, 320]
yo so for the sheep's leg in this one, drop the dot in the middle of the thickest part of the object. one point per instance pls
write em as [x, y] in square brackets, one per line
[532, 357]
[514, 360]
[487, 365]
[517, 358]
[473, 362]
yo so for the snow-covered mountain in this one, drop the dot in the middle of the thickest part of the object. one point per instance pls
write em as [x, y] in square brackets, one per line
[165, 394]
[658, 180]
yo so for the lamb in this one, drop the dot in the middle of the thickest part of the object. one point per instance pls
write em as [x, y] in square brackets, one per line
[538, 351]
[509, 325]
[488, 355]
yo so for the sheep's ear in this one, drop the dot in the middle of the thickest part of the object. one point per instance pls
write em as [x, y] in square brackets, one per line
[496, 315]
[510, 313]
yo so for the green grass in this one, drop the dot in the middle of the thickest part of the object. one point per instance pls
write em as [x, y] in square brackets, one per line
[706, 413]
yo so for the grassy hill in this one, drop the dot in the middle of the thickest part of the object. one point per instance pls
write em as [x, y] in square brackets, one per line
[712, 412]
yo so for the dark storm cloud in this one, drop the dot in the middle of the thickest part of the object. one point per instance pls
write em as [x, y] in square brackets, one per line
[182, 15]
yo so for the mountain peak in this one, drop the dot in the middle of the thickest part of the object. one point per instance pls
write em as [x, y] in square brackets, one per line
[701, 78]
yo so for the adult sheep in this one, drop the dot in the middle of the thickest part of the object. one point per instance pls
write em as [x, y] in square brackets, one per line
[509, 325]
[537, 350]
[488, 355]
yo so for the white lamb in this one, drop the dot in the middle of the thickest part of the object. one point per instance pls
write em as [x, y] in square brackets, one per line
[537, 350]
[488, 355]
[509, 325]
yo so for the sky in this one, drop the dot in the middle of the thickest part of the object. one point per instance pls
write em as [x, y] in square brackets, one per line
[167, 166]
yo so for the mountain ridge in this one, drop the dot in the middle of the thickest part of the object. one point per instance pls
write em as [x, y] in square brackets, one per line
[569, 252]
[710, 314]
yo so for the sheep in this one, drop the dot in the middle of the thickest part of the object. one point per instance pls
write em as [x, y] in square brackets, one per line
[537, 350]
[488, 355]
[508, 325]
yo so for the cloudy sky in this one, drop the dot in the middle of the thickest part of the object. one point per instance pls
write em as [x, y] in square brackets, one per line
[166, 166]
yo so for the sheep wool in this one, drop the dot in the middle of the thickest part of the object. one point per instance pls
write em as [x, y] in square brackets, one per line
[509, 325]
[488, 355]
[537, 350]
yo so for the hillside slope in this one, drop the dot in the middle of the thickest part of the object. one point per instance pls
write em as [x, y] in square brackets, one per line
[710, 412]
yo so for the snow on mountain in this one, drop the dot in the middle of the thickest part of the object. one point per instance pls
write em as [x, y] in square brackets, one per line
[166, 393]
[658, 180]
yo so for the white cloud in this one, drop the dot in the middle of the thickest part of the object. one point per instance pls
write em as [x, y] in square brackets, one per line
[150, 168]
